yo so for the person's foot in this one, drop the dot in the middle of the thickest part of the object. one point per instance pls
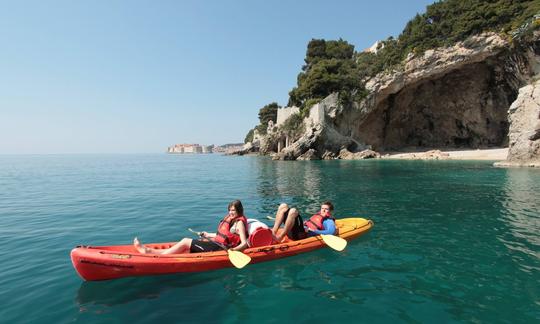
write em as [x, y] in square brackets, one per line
[140, 247]
[278, 238]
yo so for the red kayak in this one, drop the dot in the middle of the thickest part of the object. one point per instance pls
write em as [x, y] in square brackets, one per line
[118, 261]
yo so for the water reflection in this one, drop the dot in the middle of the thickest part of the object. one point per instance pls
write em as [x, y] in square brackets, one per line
[226, 293]
[233, 286]
[110, 293]
[296, 183]
[521, 211]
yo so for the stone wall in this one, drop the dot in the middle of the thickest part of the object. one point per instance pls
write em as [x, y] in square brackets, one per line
[284, 113]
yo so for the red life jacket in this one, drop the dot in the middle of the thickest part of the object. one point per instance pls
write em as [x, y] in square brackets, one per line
[315, 222]
[224, 236]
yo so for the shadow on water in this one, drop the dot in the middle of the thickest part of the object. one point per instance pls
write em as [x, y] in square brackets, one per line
[121, 291]
[282, 274]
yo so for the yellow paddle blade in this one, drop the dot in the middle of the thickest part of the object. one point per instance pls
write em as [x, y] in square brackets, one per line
[238, 259]
[335, 242]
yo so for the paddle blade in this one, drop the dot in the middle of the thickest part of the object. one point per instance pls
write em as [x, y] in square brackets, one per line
[238, 259]
[335, 242]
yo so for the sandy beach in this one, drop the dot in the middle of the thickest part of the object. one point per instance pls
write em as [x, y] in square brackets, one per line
[497, 154]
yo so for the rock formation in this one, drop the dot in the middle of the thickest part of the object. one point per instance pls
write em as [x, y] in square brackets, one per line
[524, 135]
[455, 97]
[345, 154]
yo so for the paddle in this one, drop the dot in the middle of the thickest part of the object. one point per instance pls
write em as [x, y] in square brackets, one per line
[335, 242]
[237, 258]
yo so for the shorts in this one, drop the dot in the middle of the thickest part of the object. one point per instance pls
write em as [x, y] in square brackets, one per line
[198, 246]
[297, 232]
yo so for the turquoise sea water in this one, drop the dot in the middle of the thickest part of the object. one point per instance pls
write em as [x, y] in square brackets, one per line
[452, 242]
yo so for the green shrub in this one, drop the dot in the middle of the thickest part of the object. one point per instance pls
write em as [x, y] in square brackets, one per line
[268, 112]
[293, 126]
[304, 109]
[249, 136]
[261, 129]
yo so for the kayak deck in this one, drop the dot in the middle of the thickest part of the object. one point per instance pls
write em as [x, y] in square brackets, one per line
[111, 262]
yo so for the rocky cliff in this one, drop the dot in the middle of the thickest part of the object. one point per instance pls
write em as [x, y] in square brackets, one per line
[455, 97]
[524, 116]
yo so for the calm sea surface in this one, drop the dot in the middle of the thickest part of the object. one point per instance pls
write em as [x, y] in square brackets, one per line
[452, 241]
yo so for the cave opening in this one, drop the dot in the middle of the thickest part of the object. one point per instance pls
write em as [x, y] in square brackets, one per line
[466, 108]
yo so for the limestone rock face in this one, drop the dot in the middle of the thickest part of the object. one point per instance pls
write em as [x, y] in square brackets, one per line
[450, 97]
[328, 156]
[345, 154]
[454, 97]
[524, 135]
[435, 63]
[322, 133]
[309, 155]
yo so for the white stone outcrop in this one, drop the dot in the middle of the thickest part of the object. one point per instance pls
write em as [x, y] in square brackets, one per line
[345, 154]
[432, 64]
[524, 133]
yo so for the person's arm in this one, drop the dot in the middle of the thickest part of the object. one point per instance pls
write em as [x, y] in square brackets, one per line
[241, 229]
[208, 235]
[329, 228]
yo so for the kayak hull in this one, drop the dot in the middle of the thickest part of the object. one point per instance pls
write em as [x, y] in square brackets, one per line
[112, 262]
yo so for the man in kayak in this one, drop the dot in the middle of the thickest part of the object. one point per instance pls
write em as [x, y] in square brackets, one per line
[295, 229]
[223, 239]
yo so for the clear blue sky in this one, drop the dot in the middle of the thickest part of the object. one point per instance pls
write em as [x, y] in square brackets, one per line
[138, 76]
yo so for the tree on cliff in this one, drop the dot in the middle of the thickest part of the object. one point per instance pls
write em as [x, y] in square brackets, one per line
[446, 22]
[268, 112]
[249, 136]
[330, 67]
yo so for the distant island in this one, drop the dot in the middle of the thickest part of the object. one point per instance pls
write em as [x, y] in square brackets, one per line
[203, 149]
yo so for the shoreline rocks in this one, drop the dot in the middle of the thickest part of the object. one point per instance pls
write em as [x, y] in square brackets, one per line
[345, 154]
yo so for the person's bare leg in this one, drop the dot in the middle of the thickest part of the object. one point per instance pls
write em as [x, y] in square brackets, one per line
[289, 223]
[279, 217]
[180, 247]
[142, 248]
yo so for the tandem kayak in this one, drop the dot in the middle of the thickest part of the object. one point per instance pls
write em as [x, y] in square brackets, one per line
[118, 261]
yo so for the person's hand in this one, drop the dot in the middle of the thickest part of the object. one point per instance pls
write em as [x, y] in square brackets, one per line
[203, 234]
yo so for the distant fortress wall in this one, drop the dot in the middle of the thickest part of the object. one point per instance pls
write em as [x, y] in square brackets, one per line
[284, 113]
[190, 148]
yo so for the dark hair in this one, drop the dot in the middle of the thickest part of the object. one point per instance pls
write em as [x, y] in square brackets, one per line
[329, 204]
[238, 206]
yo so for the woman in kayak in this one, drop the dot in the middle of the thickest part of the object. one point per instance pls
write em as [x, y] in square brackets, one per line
[295, 229]
[223, 239]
